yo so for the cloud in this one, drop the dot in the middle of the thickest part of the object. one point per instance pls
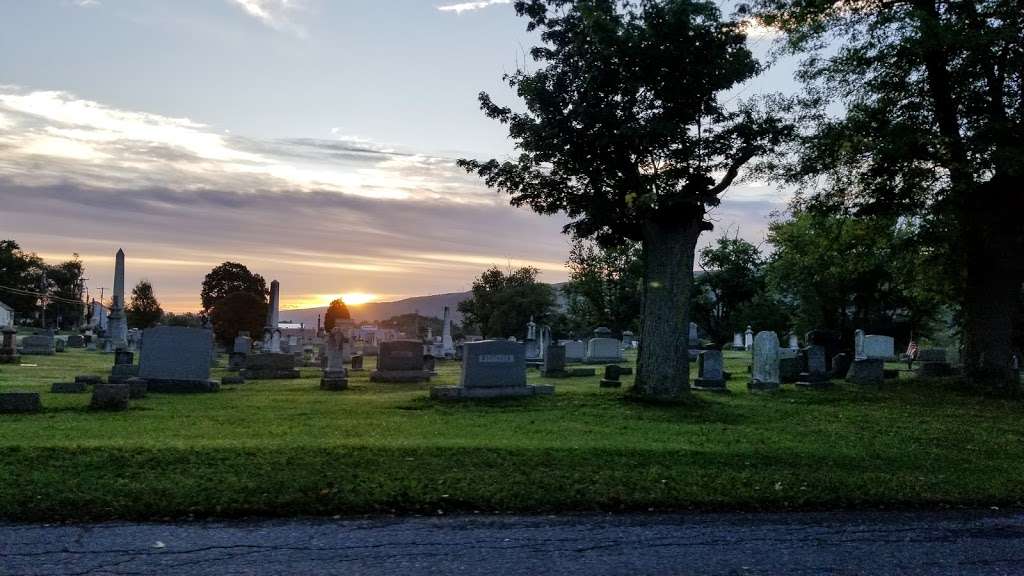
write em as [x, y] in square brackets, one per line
[461, 7]
[86, 3]
[273, 13]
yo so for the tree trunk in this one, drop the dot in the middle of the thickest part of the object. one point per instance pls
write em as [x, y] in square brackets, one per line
[663, 365]
[992, 243]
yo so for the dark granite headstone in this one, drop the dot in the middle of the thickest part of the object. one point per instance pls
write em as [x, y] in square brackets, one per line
[76, 341]
[840, 365]
[68, 388]
[356, 363]
[612, 375]
[867, 371]
[400, 361]
[831, 340]
[38, 345]
[710, 372]
[113, 397]
[815, 374]
[177, 359]
[270, 366]
[20, 402]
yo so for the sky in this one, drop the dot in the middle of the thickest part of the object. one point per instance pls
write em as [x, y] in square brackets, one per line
[313, 141]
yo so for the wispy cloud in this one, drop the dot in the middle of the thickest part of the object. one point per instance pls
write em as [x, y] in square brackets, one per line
[273, 13]
[461, 7]
[86, 3]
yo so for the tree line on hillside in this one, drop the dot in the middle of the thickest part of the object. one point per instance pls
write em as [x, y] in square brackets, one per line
[914, 122]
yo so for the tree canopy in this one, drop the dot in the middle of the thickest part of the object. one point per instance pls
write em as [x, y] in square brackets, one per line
[335, 312]
[229, 278]
[238, 312]
[143, 310]
[503, 303]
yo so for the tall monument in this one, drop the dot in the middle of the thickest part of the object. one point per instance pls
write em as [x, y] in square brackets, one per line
[271, 332]
[117, 322]
[447, 345]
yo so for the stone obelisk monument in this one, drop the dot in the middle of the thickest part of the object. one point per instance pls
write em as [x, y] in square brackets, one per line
[447, 345]
[271, 333]
[117, 322]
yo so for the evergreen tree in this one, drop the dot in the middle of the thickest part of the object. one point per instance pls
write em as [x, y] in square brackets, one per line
[143, 310]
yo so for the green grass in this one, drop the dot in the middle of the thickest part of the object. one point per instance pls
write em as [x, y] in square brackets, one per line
[286, 448]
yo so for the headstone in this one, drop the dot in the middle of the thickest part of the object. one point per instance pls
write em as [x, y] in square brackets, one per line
[270, 366]
[748, 339]
[68, 387]
[356, 363]
[815, 373]
[603, 351]
[400, 361]
[76, 341]
[867, 371]
[765, 367]
[20, 402]
[830, 339]
[840, 365]
[335, 377]
[176, 359]
[124, 366]
[112, 397]
[931, 363]
[737, 341]
[790, 365]
[710, 371]
[491, 369]
[858, 345]
[693, 338]
[612, 377]
[794, 342]
[883, 347]
[554, 362]
[242, 344]
[430, 363]
[575, 351]
[89, 379]
[38, 345]
[627, 339]
[117, 321]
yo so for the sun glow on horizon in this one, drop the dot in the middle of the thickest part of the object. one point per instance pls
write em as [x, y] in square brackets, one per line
[307, 301]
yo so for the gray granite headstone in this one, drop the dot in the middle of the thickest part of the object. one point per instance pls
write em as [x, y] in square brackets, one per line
[876, 346]
[177, 359]
[765, 367]
[491, 369]
[554, 361]
[815, 372]
[400, 355]
[20, 402]
[38, 345]
[575, 351]
[603, 350]
[710, 371]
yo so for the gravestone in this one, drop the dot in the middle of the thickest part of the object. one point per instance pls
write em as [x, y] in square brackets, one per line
[830, 339]
[737, 341]
[68, 387]
[400, 361]
[38, 345]
[60, 345]
[858, 344]
[866, 371]
[335, 377]
[794, 342]
[240, 350]
[76, 341]
[790, 365]
[612, 376]
[628, 338]
[20, 402]
[270, 366]
[603, 351]
[555, 365]
[124, 366]
[710, 372]
[840, 365]
[356, 363]
[815, 374]
[693, 338]
[491, 369]
[931, 363]
[176, 359]
[110, 397]
[765, 367]
[89, 379]
[748, 339]
[117, 320]
[575, 351]
[875, 346]
[9, 346]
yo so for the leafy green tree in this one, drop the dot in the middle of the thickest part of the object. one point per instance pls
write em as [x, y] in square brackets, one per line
[336, 311]
[844, 273]
[20, 273]
[229, 278]
[187, 319]
[64, 287]
[238, 312]
[623, 129]
[930, 128]
[733, 277]
[605, 287]
[143, 310]
[502, 304]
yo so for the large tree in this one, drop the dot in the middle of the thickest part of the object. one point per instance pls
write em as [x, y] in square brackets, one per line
[64, 287]
[143, 310]
[229, 278]
[238, 312]
[20, 274]
[503, 303]
[733, 276]
[624, 129]
[931, 110]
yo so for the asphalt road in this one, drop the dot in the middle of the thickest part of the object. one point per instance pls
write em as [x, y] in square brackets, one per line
[970, 543]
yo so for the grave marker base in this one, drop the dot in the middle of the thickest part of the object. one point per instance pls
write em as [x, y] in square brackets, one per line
[464, 393]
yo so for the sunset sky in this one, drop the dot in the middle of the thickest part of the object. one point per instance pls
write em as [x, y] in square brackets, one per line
[312, 140]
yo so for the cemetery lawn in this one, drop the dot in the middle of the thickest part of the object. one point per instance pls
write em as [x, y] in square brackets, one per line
[278, 448]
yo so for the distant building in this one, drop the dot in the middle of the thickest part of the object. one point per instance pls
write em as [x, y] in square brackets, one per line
[6, 315]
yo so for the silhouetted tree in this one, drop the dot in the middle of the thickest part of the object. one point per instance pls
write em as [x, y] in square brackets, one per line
[237, 312]
[143, 309]
[229, 278]
[502, 304]
[336, 311]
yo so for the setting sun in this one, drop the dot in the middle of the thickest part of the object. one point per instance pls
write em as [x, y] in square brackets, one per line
[357, 298]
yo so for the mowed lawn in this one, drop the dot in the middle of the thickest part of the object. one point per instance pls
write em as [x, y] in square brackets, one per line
[286, 448]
